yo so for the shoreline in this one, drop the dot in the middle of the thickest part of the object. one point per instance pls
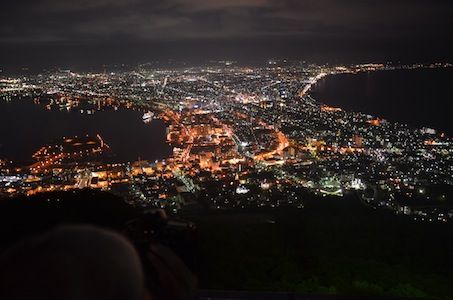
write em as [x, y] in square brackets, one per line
[392, 117]
[37, 112]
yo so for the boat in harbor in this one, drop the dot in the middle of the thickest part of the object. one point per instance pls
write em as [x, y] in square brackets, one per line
[148, 117]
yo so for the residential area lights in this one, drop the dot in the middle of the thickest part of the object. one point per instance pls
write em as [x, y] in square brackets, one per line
[242, 137]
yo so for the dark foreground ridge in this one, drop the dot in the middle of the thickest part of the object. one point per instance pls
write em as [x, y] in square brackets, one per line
[246, 295]
[334, 247]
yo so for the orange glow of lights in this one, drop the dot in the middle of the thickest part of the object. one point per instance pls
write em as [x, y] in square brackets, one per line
[375, 122]
[326, 108]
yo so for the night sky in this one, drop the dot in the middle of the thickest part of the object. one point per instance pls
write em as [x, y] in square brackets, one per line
[39, 33]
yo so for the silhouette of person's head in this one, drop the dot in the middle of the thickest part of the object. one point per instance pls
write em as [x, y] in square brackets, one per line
[75, 262]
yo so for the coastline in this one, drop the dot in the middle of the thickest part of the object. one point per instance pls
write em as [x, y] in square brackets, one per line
[403, 90]
[123, 130]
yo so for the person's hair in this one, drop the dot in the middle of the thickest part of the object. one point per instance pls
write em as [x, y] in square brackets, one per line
[72, 262]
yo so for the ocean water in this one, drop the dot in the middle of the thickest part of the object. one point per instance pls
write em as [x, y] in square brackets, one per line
[420, 98]
[25, 127]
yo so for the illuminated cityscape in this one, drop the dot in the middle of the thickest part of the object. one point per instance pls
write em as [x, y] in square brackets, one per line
[226, 149]
[242, 137]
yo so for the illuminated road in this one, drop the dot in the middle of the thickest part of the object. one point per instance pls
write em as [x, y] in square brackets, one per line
[311, 82]
[282, 144]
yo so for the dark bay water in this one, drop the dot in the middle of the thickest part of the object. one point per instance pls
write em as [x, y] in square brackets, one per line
[420, 98]
[25, 127]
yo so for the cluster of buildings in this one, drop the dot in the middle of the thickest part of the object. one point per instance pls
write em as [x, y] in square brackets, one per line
[241, 137]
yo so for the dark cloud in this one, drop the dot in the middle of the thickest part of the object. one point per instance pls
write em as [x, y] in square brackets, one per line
[236, 24]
